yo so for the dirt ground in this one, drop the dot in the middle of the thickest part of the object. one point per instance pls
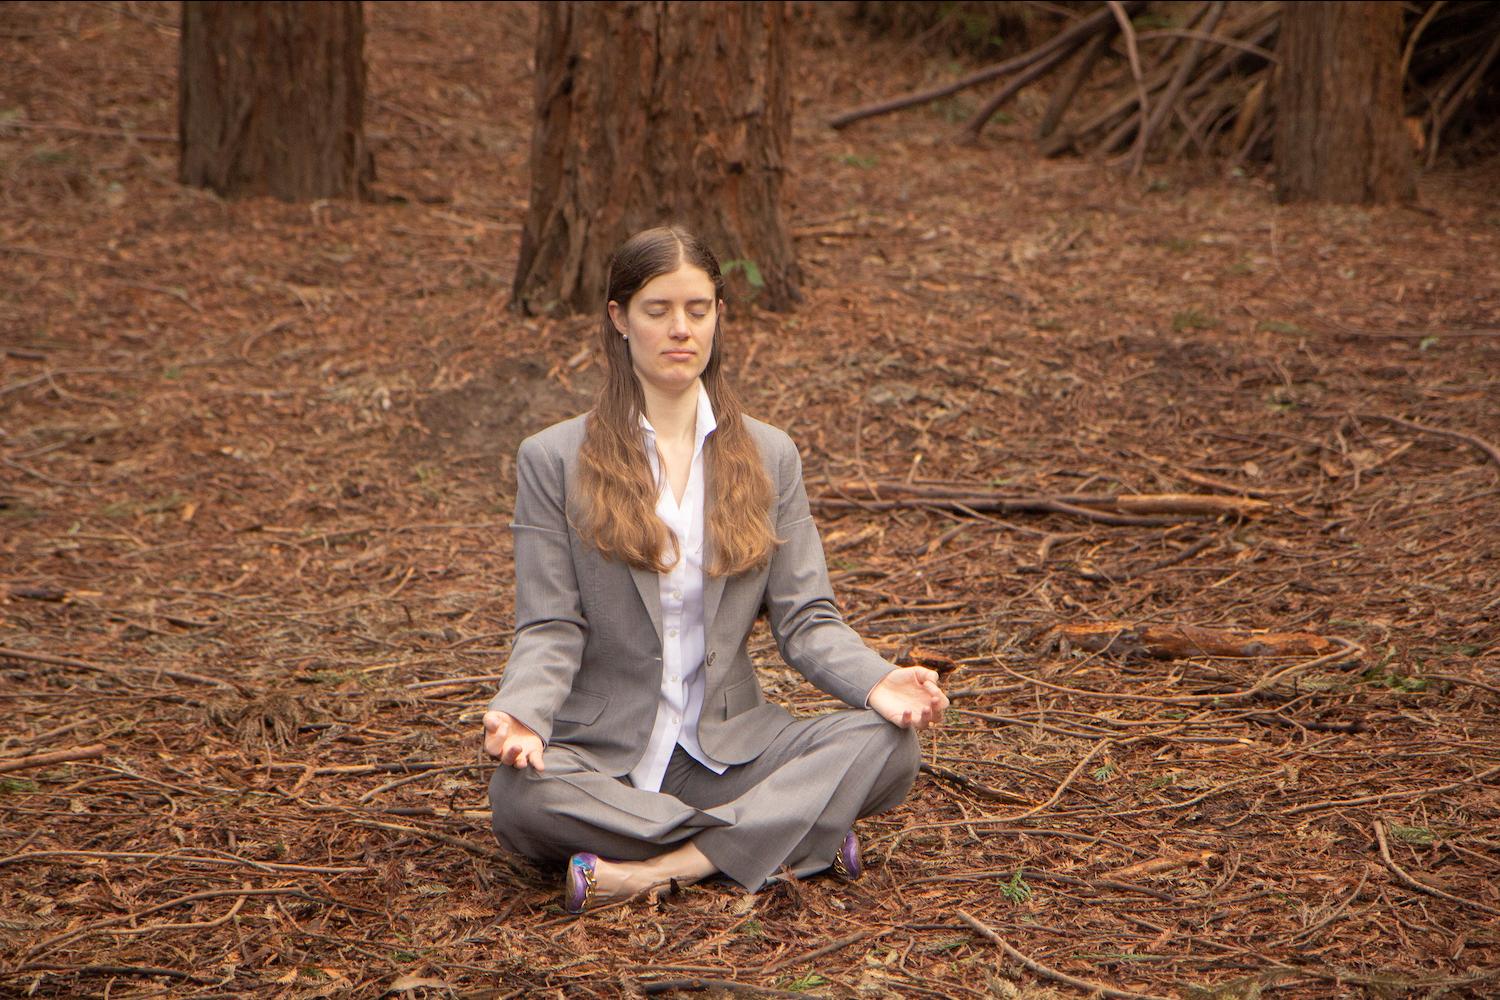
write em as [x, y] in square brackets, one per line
[256, 469]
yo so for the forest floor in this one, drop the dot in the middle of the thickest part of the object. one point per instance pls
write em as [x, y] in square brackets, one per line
[256, 469]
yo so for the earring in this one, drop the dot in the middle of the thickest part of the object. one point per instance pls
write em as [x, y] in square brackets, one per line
[624, 336]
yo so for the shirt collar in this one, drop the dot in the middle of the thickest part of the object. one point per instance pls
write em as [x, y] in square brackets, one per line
[705, 424]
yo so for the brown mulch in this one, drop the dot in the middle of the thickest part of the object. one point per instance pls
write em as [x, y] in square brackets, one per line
[255, 473]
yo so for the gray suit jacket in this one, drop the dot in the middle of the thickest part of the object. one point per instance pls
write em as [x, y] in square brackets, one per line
[585, 667]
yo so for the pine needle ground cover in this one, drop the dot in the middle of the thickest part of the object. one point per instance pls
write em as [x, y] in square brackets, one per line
[256, 469]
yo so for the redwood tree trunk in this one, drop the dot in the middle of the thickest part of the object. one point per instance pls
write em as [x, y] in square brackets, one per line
[649, 113]
[271, 99]
[1339, 135]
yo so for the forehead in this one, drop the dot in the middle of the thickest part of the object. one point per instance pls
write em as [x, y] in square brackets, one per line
[686, 284]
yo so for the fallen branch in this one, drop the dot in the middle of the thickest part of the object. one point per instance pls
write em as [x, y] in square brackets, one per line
[1129, 509]
[1385, 854]
[1348, 651]
[1069, 37]
[55, 757]
[1175, 642]
[1205, 504]
[1095, 989]
[1133, 51]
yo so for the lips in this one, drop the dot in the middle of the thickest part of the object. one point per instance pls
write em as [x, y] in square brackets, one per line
[680, 355]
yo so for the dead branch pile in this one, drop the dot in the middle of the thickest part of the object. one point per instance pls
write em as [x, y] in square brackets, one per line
[1200, 77]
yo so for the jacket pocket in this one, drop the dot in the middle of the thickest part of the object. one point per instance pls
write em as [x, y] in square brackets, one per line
[582, 708]
[741, 697]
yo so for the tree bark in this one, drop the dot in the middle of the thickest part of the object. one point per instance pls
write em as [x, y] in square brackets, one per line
[271, 99]
[654, 113]
[1339, 134]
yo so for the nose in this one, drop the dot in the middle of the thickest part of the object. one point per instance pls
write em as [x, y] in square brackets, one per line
[680, 329]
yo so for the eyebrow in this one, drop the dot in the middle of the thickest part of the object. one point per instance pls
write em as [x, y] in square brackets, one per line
[667, 302]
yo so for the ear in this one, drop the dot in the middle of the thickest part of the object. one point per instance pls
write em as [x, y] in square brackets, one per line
[617, 317]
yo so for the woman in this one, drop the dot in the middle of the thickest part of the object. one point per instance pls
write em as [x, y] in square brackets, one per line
[649, 534]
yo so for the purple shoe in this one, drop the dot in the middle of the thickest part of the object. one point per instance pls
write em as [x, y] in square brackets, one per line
[847, 864]
[578, 882]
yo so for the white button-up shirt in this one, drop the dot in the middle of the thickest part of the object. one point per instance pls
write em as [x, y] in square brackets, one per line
[684, 635]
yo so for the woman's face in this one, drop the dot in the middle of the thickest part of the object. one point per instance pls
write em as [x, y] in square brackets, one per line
[669, 324]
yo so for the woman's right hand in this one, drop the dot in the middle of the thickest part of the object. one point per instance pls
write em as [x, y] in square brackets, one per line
[512, 741]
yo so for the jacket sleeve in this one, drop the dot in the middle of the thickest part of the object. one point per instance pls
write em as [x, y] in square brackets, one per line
[550, 628]
[809, 630]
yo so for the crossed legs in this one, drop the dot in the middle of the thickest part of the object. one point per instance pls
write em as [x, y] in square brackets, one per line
[786, 810]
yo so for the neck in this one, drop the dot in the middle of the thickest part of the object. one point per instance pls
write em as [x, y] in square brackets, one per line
[672, 415]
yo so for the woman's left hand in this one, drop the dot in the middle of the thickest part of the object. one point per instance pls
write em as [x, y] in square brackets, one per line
[909, 697]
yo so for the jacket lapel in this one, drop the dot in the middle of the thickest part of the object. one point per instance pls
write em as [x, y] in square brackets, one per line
[713, 591]
[649, 587]
[713, 586]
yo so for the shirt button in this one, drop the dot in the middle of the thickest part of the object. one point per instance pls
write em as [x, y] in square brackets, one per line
[676, 595]
[671, 633]
[676, 720]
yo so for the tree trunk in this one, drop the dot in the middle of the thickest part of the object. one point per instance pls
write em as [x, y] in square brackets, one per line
[1339, 134]
[654, 113]
[271, 99]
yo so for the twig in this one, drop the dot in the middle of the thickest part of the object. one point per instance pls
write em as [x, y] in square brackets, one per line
[1478, 442]
[408, 779]
[899, 835]
[1455, 679]
[1036, 876]
[1387, 796]
[827, 949]
[66, 661]
[968, 784]
[117, 970]
[695, 985]
[55, 757]
[1095, 989]
[478, 850]
[456, 681]
[108, 133]
[194, 897]
[1385, 853]
[232, 861]
[154, 928]
[1131, 574]
[1057, 793]
[970, 506]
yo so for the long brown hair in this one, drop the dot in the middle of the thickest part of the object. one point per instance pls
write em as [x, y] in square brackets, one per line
[618, 502]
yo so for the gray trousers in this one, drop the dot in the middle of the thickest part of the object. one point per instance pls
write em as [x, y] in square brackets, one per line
[789, 808]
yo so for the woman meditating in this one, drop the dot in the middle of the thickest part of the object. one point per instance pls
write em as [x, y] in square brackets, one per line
[649, 533]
